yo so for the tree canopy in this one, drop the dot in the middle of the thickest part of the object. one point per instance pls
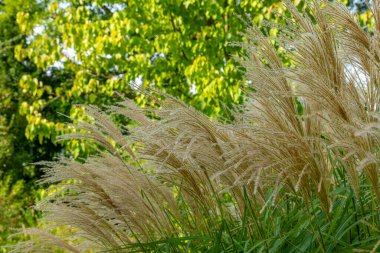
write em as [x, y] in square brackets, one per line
[179, 47]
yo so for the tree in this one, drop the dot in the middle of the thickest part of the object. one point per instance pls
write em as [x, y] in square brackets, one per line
[18, 190]
[179, 47]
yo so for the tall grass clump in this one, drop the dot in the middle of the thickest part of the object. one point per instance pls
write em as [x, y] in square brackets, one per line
[296, 170]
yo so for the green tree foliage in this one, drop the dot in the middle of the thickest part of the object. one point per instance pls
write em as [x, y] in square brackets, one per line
[18, 189]
[179, 47]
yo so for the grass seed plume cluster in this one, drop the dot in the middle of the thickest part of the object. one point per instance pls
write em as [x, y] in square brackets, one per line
[296, 170]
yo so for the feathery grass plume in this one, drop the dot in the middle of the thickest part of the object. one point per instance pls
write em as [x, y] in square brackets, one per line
[286, 148]
[291, 173]
[334, 72]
